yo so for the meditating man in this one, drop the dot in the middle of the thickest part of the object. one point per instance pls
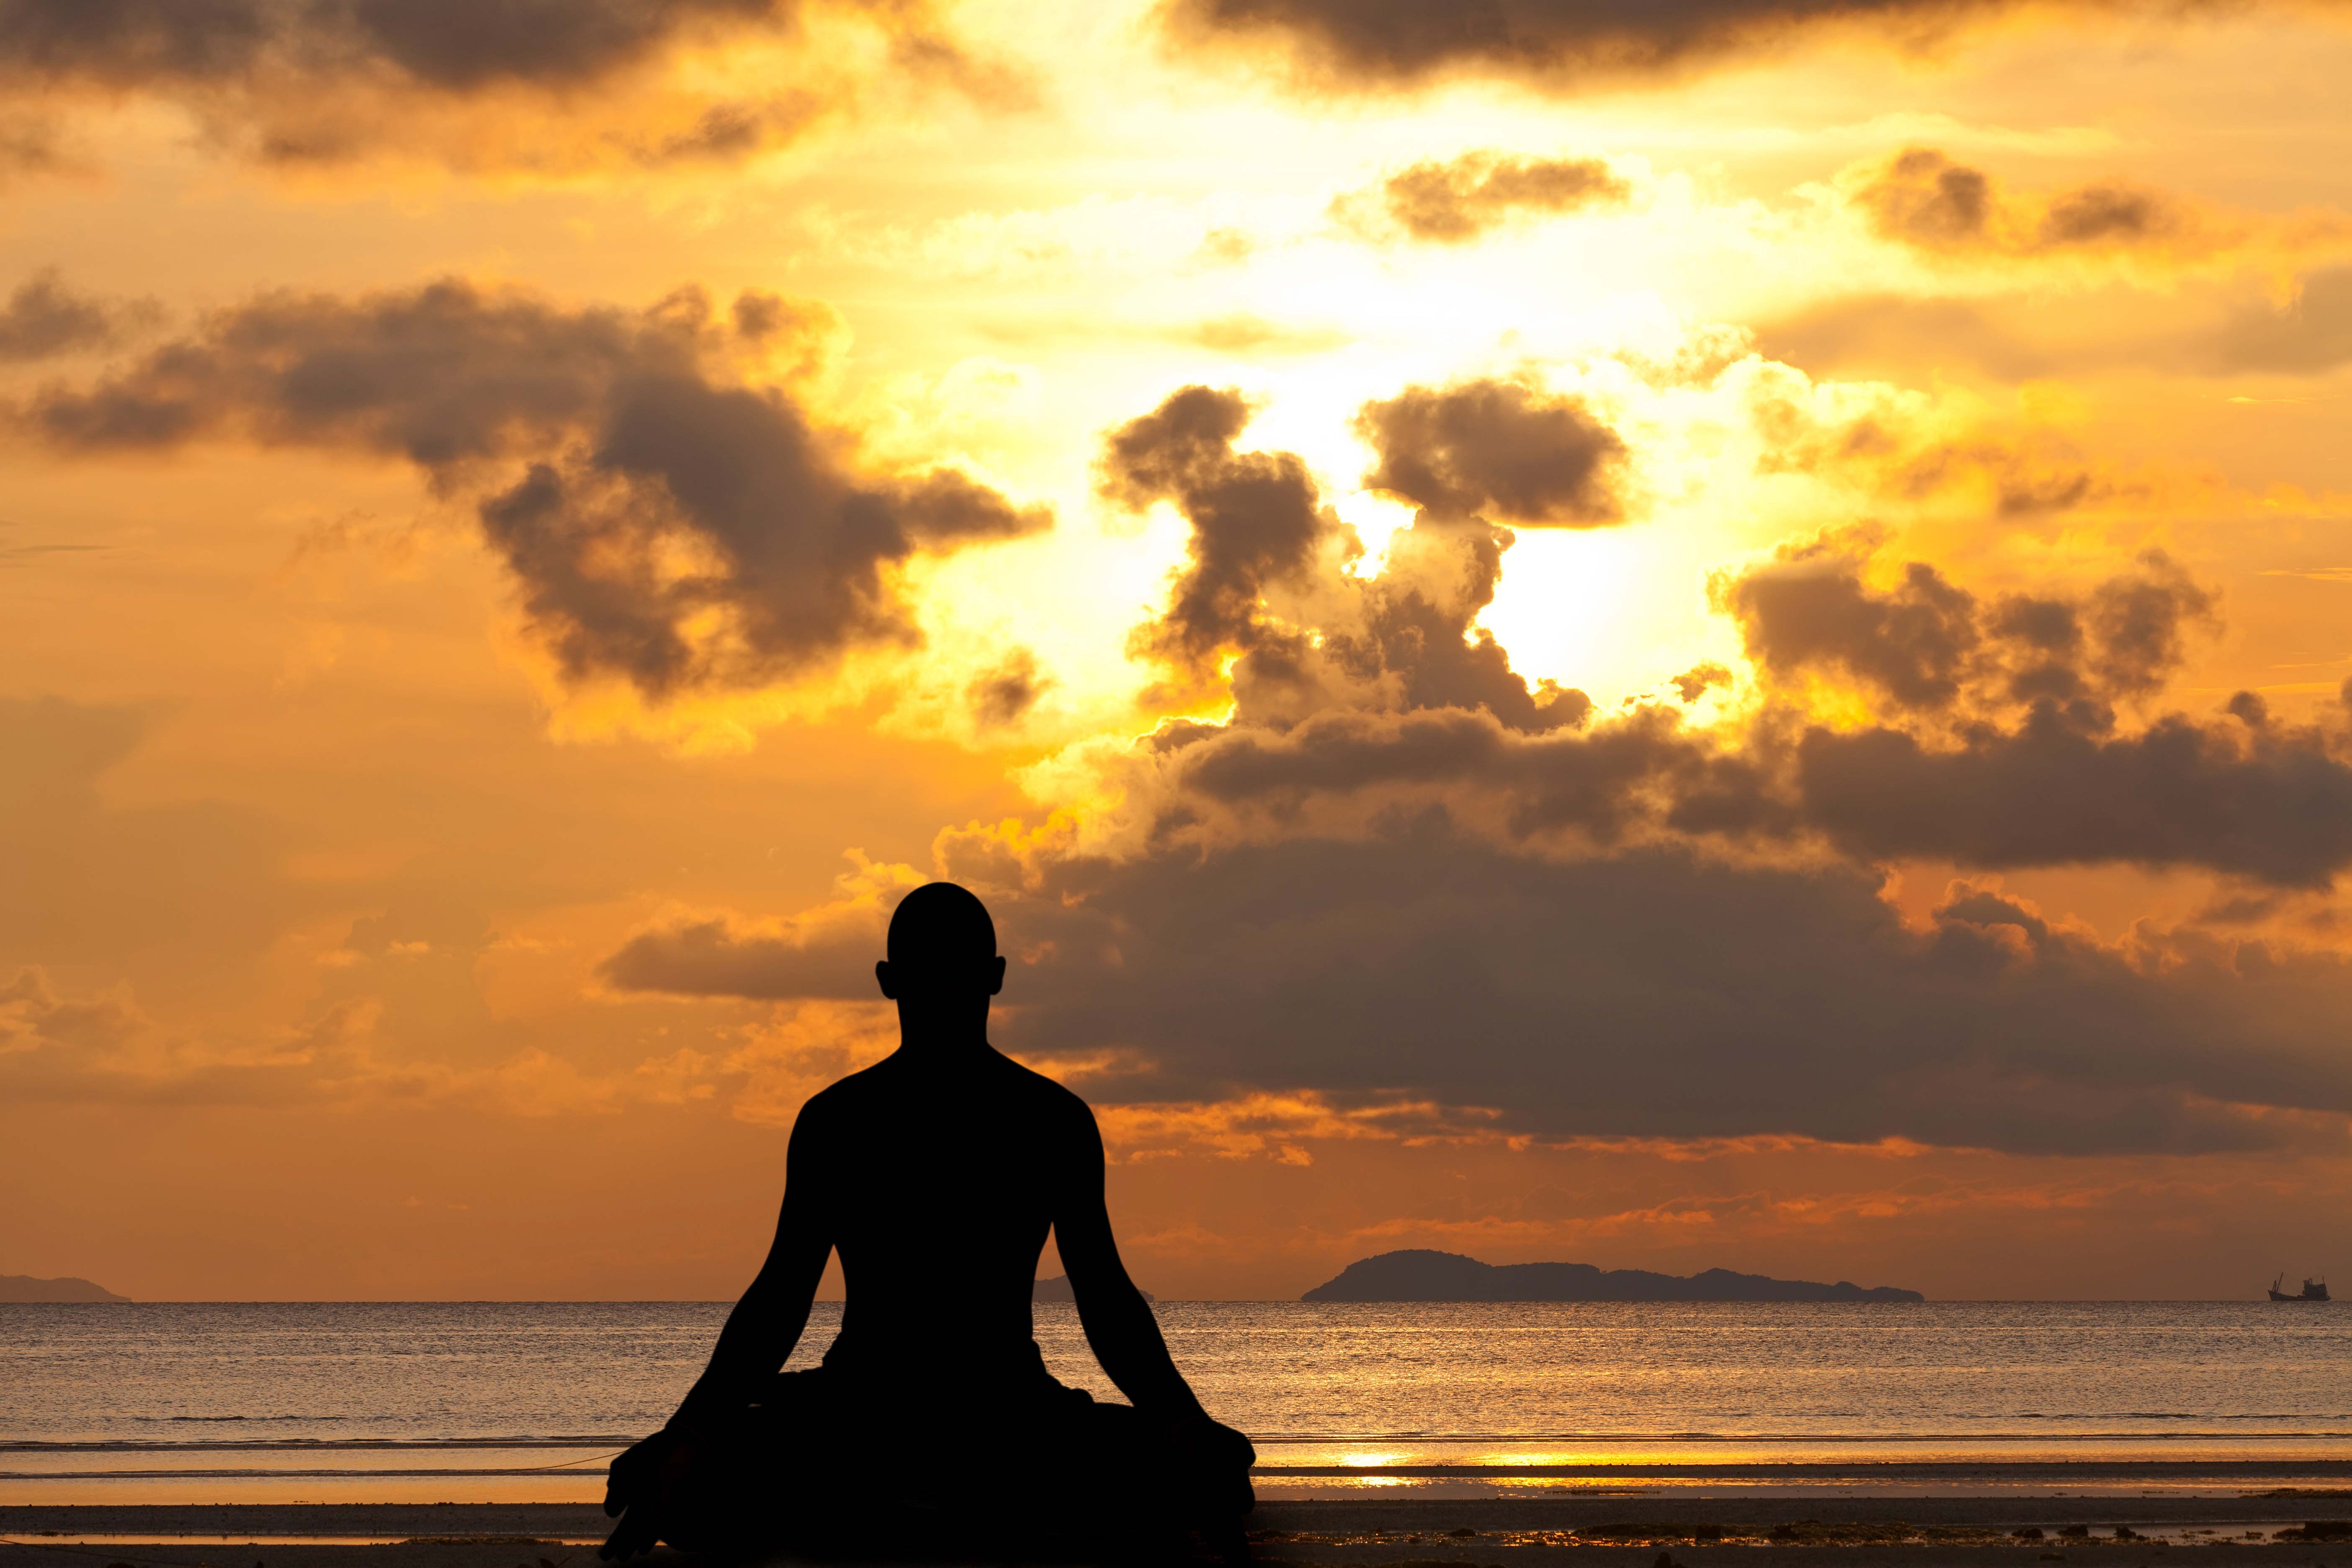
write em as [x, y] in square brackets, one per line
[935, 1174]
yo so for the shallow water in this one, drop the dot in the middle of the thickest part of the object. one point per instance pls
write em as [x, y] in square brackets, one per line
[523, 1401]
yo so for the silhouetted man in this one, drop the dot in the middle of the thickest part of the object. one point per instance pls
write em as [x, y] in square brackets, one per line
[935, 1174]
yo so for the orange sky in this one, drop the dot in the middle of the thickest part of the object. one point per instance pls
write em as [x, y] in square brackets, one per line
[1718, 641]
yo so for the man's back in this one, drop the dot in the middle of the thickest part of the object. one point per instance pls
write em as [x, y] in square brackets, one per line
[939, 1180]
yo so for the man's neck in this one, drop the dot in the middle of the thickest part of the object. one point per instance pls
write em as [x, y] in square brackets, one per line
[944, 1044]
[933, 1031]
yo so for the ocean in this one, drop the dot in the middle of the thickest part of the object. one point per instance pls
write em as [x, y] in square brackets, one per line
[525, 1402]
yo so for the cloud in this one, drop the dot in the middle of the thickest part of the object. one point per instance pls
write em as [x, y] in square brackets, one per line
[1898, 336]
[1922, 197]
[512, 82]
[1495, 447]
[91, 881]
[2310, 335]
[827, 951]
[2021, 338]
[1268, 585]
[1905, 454]
[438, 43]
[1455, 201]
[1650, 993]
[2002, 745]
[1244, 333]
[44, 318]
[1913, 719]
[2055, 791]
[1922, 643]
[1002, 696]
[1257, 519]
[667, 521]
[101, 1049]
[1391, 44]
[1397, 889]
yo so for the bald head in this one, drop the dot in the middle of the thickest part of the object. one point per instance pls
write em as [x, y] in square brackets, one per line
[940, 926]
[942, 967]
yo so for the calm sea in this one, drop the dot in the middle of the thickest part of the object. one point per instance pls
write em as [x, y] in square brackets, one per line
[516, 1402]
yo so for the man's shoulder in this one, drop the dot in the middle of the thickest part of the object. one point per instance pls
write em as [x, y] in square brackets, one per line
[1055, 1099]
[846, 1094]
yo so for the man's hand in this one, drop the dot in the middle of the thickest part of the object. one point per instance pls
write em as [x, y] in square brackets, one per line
[1196, 1444]
[642, 1490]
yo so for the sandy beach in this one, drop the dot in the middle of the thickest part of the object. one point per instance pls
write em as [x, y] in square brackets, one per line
[1850, 1529]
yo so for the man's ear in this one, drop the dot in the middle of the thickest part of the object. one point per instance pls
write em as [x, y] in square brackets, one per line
[995, 976]
[882, 978]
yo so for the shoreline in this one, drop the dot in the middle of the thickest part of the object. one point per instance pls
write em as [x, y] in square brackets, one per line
[1842, 1532]
[1402, 1477]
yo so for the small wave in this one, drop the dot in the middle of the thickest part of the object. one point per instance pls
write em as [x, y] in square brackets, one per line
[277, 1474]
[2338, 1429]
[256, 1419]
[313, 1445]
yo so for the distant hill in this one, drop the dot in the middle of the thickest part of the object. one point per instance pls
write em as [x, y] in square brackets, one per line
[1418, 1275]
[1057, 1289]
[24, 1288]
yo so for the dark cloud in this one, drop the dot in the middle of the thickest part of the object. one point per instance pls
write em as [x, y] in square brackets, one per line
[1813, 610]
[1257, 520]
[2004, 748]
[1455, 201]
[1395, 876]
[1696, 681]
[1922, 197]
[2106, 213]
[1645, 993]
[451, 44]
[43, 318]
[1264, 578]
[666, 522]
[718, 958]
[2001, 744]
[1496, 447]
[2057, 791]
[1593, 783]
[1371, 43]
[1412, 631]
[288, 78]
[1003, 696]
[1926, 642]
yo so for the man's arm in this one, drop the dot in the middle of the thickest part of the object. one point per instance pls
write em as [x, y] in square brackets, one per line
[1119, 1326]
[769, 1320]
[760, 1335]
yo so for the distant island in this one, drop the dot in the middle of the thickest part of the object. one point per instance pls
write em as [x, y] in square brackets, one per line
[24, 1288]
[1057, 1289]
[1420, 1275]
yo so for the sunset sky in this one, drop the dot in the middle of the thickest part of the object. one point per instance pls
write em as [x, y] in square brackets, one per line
[1670, 635]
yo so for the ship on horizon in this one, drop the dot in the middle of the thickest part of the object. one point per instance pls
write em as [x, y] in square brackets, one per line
[2313, 1291]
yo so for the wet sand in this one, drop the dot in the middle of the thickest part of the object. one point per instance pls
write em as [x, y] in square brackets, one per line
[1693, 1532]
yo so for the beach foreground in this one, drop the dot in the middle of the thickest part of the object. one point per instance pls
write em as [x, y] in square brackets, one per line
[1517, 1532]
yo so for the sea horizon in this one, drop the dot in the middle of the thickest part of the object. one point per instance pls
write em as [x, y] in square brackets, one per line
[505, 1400]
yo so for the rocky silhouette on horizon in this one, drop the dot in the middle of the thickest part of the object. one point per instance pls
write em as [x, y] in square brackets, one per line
[1418, 1274]
[24, 1288]
[1059, 1289]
